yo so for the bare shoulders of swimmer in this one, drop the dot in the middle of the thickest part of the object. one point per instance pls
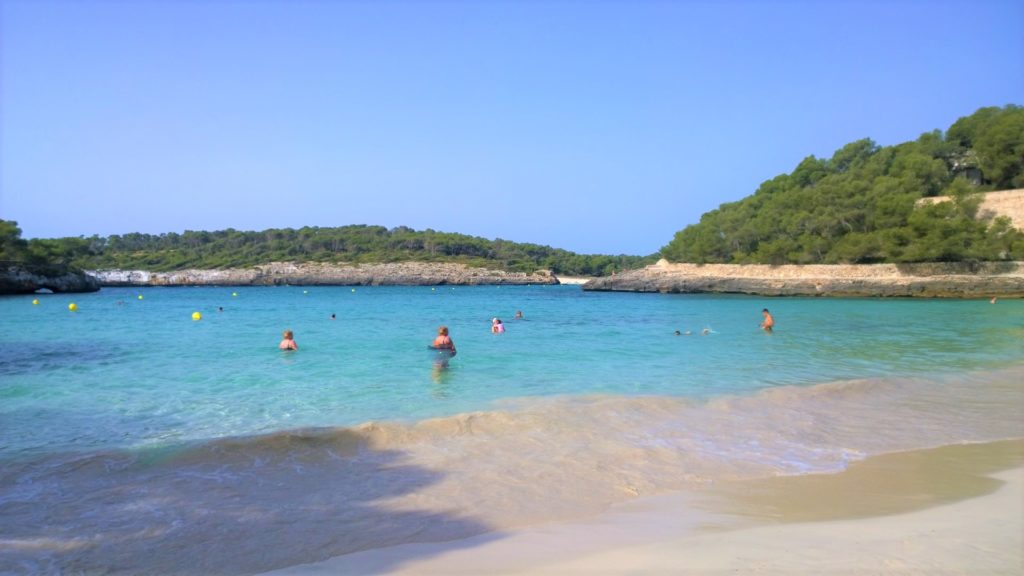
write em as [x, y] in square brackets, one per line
[443, 340]
[288, 342]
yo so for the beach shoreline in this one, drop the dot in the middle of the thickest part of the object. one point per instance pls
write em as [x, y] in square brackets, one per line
[536, 485]
[952, 509]
[575, 280]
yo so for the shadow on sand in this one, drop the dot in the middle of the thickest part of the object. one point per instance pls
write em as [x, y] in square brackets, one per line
[231, 506]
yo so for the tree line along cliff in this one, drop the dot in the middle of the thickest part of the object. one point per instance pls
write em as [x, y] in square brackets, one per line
[335, 245]
[861, 205]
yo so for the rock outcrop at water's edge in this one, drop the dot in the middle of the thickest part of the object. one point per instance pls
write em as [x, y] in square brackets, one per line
[281, 273]
[926, 280]
[19, 278]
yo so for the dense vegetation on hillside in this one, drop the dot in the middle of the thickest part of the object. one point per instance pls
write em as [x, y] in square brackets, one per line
[859, 205]
[349, 244]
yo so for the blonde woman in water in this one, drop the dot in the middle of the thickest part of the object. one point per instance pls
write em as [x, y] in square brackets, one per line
[443, 341]
[288, 343]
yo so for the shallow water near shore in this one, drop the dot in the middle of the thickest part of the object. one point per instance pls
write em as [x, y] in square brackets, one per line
[137, 427]
[127, 373]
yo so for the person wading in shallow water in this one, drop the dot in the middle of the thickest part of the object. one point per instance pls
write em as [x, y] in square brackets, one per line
[288, 342]
[769, 322]
[443, 341]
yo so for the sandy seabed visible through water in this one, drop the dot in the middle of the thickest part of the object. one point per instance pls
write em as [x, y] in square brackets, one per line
[252, 504]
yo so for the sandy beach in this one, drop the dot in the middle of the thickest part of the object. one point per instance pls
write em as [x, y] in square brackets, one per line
[950, 510]
[574, 280]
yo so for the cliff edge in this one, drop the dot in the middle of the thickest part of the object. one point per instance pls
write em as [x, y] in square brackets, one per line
[20, 278]
[927, 280]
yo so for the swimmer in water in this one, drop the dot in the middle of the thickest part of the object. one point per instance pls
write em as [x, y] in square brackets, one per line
[443, 341]
[445, 350]
[769, 322]
[519, 315]
[288, 343]
[496, 326]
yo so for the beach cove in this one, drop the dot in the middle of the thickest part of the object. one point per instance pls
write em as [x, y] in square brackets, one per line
[133, 434]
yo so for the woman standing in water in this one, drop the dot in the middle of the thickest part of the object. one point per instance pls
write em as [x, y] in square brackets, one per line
[288, 342]
[444, 350]
[443, 341]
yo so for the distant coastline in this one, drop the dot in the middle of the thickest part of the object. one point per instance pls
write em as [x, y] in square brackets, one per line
[323, 274]
[926, 280]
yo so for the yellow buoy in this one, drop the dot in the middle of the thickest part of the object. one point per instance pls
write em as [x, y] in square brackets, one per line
[197, 316]
[305, 291]
[140, 296]
[35, 302]
[353, 289]
[234, 293]
[72, 306]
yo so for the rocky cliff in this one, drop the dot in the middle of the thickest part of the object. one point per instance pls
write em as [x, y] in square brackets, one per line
[1009, 203]
[279, 273]
[932, 280]
[17, 278]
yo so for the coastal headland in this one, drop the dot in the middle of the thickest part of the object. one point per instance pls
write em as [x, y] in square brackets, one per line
[926, 280]
[323, 274]
[21, 278]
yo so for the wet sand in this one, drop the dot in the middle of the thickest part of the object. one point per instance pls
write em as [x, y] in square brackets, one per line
[949, 510]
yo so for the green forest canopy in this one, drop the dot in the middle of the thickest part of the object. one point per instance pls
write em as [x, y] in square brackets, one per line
[859, 205]
[345, 244]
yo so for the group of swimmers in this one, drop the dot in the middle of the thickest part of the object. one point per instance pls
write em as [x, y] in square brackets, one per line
[442, 342]
[767, 325]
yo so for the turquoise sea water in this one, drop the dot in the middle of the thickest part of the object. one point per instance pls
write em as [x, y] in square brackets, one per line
[124, 372]
[134, 440]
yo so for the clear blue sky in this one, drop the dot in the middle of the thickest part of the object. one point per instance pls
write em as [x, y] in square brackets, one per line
[599, 127]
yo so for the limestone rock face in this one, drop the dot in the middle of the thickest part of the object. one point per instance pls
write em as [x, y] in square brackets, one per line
[312, 274]
[26, 279]
[928, 280]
